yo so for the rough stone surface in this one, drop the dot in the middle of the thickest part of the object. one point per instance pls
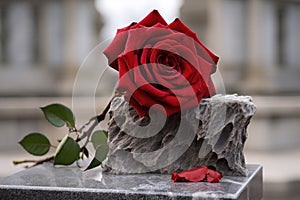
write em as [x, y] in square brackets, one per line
[212, 134]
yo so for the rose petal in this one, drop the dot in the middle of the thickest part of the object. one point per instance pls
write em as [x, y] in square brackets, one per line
[193, 175]
[198, 174]
[181, 27]
[152, 18]
[115, 48]
[213, 176]
[179, 44]
[142, 110]
[210, 89]
[139, 37]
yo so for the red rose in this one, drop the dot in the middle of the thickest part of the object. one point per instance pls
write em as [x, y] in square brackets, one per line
[161, 64]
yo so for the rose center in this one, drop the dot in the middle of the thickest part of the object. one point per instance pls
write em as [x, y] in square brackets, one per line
[170, 60]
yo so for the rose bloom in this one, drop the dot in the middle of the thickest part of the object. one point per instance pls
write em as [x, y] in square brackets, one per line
[161, 64]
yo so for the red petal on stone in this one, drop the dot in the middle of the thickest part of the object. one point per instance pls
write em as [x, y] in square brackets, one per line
[213, 176]
[174, 176]
[198, 174]
[193, 175]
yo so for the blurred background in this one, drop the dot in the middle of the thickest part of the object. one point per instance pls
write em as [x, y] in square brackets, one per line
[43, 45]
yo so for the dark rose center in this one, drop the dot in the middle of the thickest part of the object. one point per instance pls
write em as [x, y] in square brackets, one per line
[168, 58]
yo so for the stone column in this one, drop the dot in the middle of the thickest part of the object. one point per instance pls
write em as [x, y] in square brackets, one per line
[79, 29]
[215, 15]
[227, 36]
[1, 35]
[261, 45]
[194, 14]
[51, 33]
[292, 39]
[21, 34]
[80, 35]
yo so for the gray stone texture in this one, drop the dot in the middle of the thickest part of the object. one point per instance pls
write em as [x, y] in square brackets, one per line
[214, 134]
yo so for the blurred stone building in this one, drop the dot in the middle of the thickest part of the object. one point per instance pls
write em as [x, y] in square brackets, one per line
[258, 42]
[42, 44]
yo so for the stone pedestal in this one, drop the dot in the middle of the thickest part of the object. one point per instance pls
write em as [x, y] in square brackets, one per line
[213, 134]
[48, 182]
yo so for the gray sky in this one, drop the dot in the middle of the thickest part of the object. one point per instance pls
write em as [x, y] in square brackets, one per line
[120, 13]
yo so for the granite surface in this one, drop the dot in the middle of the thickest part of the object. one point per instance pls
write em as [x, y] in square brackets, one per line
[47, 182]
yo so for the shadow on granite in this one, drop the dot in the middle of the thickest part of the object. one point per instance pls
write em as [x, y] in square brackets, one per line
[48, 182]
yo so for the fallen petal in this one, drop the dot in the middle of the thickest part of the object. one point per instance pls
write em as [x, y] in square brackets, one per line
[193, 175]
[213, 176]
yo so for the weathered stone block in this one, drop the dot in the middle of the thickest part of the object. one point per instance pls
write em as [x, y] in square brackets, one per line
[214, 134]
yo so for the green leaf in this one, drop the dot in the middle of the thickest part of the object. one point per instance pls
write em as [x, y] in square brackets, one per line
[99, 137]
[36, 144]
[59, 115]
[100, 155]
[67, 152]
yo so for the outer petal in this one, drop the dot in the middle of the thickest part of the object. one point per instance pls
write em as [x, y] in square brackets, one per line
[139, 38]
[115, 48]
[177, 25]
[152, 18]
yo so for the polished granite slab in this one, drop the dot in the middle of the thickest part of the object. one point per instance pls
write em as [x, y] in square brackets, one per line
[48, 182]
